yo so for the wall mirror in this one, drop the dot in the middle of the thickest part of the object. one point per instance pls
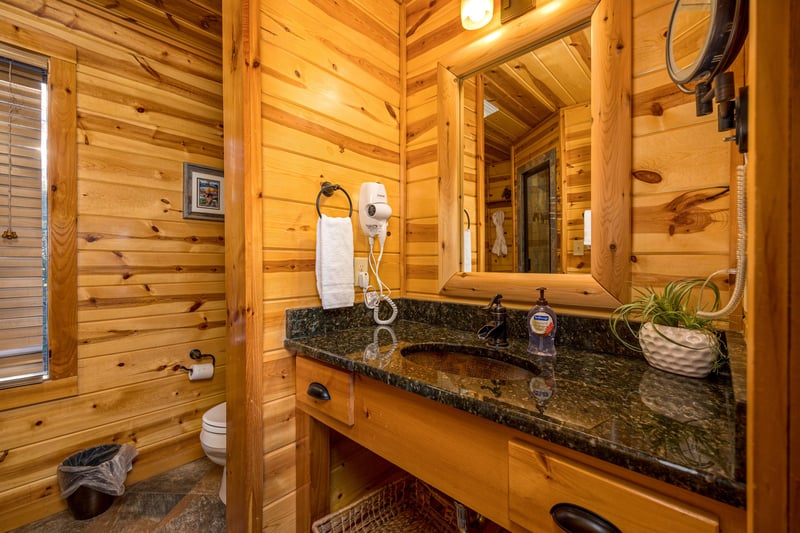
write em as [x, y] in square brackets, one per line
[607, 284]
[526, 165]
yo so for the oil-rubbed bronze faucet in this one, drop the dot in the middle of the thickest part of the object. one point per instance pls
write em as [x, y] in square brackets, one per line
[495, 332]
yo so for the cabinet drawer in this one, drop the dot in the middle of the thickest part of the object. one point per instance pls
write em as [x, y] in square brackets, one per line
[538, 480]
[315, 380]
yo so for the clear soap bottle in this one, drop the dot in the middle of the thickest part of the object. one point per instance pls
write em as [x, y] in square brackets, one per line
[542, 327]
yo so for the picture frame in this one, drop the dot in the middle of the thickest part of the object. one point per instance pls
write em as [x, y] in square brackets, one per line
[203, 197]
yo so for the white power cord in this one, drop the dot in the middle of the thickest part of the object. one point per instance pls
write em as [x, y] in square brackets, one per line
[373, 298]
[741, 251]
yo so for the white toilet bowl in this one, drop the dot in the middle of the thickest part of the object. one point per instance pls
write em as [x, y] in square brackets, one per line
[212, 439]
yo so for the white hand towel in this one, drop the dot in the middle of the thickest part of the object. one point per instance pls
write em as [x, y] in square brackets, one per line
[500, 248]
[467, 251]
[334, 266]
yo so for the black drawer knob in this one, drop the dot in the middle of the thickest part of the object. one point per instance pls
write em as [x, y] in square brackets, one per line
[574, 519]
[318, 391]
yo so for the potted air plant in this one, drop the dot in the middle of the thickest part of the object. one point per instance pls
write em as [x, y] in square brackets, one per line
[671, 335]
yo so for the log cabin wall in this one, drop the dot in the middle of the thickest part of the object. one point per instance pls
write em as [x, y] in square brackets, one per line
[499, 192]
[150, 283]
[331, 111]
[682, 167]
[576, 177]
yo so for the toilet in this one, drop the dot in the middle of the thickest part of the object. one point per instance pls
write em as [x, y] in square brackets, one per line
[212, 439]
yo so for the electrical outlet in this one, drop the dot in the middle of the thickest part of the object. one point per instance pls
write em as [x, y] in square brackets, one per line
[577, 247]
[359, 266]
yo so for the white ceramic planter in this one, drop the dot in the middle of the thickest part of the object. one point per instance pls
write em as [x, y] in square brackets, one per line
[692, 356]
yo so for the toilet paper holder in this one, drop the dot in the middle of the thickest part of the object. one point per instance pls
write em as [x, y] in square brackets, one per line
[197, 355]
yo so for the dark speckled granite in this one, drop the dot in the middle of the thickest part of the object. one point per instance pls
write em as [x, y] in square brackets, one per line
[593, 398]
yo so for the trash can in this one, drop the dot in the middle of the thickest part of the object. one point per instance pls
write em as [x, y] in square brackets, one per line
[91, 479]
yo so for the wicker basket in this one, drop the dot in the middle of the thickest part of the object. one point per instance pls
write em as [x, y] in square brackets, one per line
[403, 506]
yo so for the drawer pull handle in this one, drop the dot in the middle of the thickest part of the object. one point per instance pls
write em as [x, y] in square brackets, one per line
[574, 519]
[318, 391]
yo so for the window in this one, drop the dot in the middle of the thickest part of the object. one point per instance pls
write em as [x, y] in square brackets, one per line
[23, 210]
[38, 219]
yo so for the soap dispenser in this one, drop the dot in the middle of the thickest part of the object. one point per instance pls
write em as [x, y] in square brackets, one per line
[542, 327]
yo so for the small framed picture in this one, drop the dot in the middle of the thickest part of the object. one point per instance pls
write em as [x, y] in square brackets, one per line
[203, 193]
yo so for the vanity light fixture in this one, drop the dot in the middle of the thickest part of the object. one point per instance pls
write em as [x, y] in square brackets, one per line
[476, 14]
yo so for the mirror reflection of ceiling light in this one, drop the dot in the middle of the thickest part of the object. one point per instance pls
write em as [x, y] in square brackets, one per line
[488, 108]
[476, 14]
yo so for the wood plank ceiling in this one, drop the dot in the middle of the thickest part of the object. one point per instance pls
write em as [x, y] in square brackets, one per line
[530, 88]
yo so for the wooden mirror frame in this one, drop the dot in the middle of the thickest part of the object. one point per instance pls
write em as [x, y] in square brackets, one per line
[608, 284]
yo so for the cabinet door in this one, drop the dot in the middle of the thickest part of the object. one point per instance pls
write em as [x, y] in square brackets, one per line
[324, 391]
[539, 480]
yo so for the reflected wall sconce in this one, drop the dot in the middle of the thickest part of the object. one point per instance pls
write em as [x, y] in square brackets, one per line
[476, 14]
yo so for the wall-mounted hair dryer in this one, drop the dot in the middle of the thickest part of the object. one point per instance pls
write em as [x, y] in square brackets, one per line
[373, 213]
[374, 210]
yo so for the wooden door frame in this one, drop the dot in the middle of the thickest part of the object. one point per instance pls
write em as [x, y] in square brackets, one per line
[244, 291]
[773, 402]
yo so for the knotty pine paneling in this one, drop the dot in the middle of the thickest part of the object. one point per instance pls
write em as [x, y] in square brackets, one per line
[150, 283]
[684, 151]
[280, 472]
[281, 418]
[355, 471]
[499, 180]
[33, 462]
[575, 175]
[281, 515]
[330, 112]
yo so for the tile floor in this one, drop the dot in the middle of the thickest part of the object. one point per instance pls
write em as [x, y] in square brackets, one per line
[182, 500]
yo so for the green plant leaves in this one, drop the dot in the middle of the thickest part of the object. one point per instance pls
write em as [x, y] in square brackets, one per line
[676, 305]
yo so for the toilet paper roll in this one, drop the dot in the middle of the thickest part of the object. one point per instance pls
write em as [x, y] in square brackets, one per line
[201, 371]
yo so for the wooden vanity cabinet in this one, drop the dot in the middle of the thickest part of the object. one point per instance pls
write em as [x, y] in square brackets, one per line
[508, 476]
[540, 480]
[314, 381]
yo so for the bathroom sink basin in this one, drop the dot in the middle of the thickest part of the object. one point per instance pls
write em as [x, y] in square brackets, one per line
[465, 361]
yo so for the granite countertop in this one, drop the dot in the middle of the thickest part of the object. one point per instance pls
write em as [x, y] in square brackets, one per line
[612, 407]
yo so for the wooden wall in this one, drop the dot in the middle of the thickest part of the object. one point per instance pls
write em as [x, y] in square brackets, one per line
[499, 194]
[331, 111]
[682, 168]
[576, 179]
[150, 283]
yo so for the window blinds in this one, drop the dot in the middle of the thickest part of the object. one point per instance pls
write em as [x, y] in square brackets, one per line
[23, 217]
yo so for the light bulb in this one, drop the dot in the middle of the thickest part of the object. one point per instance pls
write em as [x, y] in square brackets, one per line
[476, 14]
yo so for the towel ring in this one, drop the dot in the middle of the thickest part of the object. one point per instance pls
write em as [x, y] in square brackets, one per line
[328, 188]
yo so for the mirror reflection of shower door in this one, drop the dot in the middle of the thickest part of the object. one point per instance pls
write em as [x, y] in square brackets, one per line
[537, 217]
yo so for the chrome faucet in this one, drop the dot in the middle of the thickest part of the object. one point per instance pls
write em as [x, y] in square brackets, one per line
[495, 332]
